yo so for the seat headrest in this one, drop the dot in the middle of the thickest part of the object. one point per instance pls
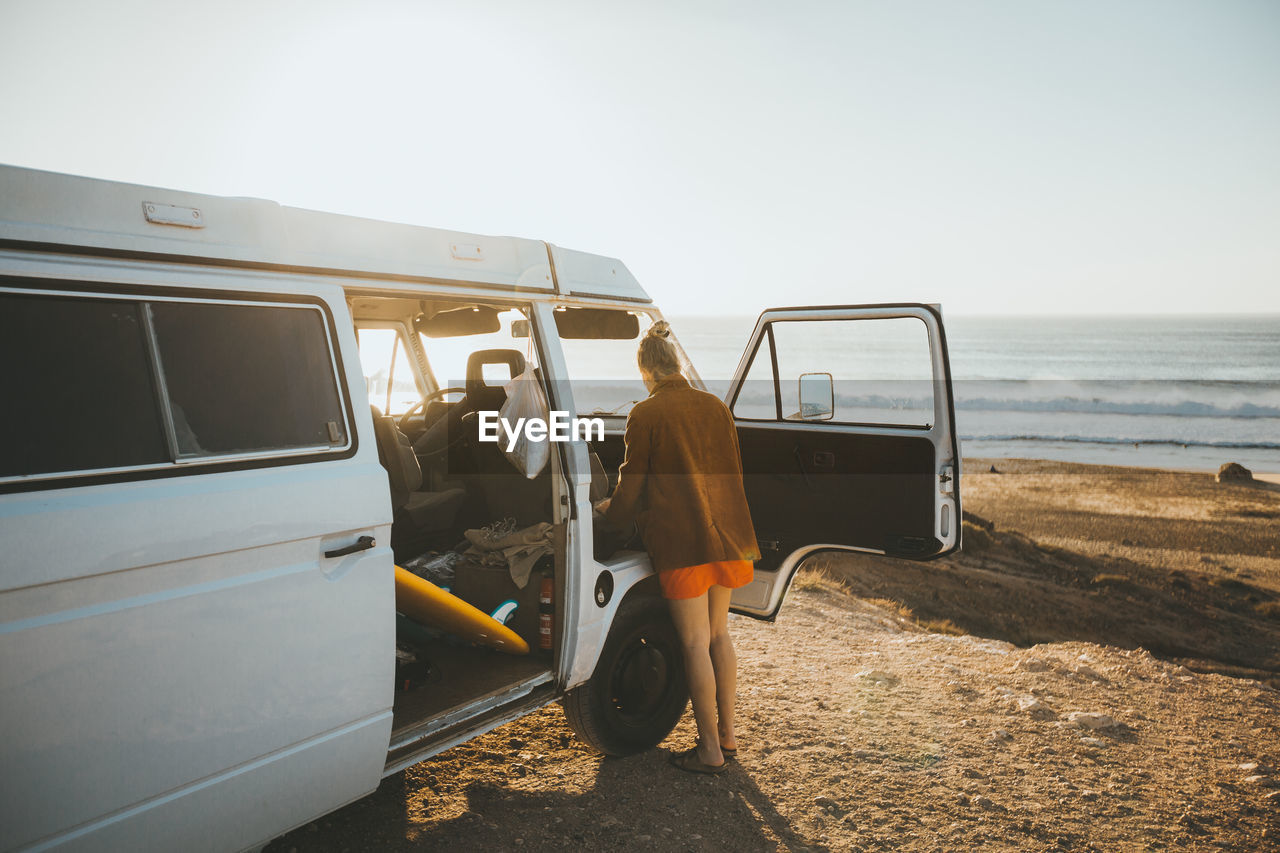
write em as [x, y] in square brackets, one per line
[476, 386]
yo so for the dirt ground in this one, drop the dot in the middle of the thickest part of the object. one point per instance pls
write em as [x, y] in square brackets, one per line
[889, 708]
[1172, 562]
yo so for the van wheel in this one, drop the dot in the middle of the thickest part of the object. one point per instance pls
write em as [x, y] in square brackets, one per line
[637, 694]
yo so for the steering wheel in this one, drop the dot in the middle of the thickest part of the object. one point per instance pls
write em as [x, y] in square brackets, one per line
[403, 423]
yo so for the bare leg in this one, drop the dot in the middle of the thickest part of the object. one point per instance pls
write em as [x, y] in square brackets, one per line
[690, 618]
[725, 663]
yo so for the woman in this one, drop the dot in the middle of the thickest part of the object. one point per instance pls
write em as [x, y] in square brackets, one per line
[681, 481]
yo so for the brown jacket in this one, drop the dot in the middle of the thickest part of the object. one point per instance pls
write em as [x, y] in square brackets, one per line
[681, 480]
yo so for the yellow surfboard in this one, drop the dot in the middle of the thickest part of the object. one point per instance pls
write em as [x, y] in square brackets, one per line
[423, 601]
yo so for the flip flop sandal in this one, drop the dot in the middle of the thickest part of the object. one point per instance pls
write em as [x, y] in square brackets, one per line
[689, 762]
[724, 750]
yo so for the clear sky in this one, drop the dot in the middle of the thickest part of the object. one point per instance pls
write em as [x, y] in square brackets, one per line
[1018, 156]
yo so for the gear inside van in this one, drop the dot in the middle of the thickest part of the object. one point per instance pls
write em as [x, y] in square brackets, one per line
[467, 518]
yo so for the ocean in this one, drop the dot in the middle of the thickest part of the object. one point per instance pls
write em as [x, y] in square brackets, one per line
[1184, 392]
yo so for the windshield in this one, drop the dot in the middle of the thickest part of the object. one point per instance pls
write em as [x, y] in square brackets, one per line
[448, 355]
[603, 372]
[389, 376]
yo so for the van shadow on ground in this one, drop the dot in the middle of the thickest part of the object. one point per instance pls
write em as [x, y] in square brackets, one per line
[493, 794]
[675, 811]
[1004, 585]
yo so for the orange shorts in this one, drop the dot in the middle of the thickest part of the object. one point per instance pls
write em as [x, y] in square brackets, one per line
[693, 581]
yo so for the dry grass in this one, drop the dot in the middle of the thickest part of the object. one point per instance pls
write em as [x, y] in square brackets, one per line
[895, 608]
[1121, 581]
[815, 577]
[1230, 584]
[1268, 609]
[941, 626]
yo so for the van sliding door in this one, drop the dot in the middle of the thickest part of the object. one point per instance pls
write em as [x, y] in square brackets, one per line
[196, 636]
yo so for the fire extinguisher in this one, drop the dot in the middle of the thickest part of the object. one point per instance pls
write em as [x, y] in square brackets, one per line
[546, 611]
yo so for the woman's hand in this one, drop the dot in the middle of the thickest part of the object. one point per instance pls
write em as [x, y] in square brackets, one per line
[603, 506]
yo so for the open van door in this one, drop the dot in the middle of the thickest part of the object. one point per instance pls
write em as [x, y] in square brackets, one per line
[846, 426]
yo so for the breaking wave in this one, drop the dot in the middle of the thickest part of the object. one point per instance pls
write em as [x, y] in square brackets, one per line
[1171, 442]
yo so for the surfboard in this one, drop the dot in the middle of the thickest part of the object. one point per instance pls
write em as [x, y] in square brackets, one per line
[423, 601]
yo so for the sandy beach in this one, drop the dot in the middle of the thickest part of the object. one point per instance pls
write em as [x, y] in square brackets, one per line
[1096, 671]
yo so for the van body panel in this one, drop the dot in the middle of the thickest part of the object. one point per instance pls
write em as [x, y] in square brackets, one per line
[267, 797]
[587, 621]
[582, 634]
[335, 242]
[575, 501]
[182, 669]
[55, 210]
[67, 210]
[479, 723]
[144, 525]
[627, 569]
[58, 264]
[585, 274]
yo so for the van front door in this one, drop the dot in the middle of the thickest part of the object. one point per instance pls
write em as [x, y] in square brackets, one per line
[846, 426]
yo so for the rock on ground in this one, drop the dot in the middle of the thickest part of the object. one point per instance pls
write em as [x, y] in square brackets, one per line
[1234, 472]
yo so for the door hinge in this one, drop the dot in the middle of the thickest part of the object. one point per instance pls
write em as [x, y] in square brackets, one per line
[947, 480]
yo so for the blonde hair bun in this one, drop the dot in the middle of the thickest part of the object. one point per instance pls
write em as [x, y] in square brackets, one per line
[656, 354]
[660, 329]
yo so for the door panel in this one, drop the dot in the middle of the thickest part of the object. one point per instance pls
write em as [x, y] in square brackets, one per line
[809, 486]
[122, 684]
[873, 472]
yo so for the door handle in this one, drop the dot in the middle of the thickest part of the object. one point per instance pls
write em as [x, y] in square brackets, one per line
[364, 543]
[824, 459]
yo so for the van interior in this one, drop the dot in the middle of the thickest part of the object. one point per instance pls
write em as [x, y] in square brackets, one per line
[431, 366]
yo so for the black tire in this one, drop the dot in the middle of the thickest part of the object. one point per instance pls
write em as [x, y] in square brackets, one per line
[638, 692]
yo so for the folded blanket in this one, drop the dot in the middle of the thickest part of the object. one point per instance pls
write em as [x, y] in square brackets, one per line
[518, 549]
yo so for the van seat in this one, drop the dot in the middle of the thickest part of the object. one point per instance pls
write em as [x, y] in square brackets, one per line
[506, 492]
[434, 510]
[425, 511]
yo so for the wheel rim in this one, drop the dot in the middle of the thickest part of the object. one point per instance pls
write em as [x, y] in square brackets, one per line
[642, 680]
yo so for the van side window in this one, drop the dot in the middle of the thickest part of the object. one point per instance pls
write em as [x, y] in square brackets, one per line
[873, 372]
[78, 391]
[244, 378]
[110, 384]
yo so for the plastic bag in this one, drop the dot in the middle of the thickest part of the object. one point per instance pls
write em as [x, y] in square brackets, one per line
[524, 400]
[437, 568]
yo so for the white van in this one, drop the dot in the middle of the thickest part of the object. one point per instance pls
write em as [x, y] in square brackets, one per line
[205, 480]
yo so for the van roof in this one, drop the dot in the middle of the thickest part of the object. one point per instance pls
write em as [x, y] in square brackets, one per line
[47, 210]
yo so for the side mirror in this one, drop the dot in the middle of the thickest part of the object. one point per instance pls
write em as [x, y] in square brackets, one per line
[817, 397]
